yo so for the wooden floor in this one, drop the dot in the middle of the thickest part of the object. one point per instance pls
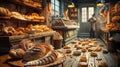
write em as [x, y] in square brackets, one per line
[72, 61]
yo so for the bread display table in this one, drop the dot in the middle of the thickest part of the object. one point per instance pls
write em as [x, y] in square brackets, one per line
[9, 41]
[7, 61]
[66, 28]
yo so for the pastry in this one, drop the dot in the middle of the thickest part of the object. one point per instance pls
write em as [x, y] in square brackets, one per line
[66, 47]
[35, 53]
[20, 52]
[83, 59]
[4, 12]
[98, 49]
[76, 53]
[90, 49]
[26, 44]
[101, 45]
[9, 30]
[17, 53]
[38, 51]
[93, 54]
[78, 47]
[98, 59]
[17, 15]
[68, 51]
[82, 64]
[83, 50]
[105, 51]
[74, 42]
[102, 64]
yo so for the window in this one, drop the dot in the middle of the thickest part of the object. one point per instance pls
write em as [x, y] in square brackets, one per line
[84, 14]
[55, 7]
[90, 11]
[87, 12]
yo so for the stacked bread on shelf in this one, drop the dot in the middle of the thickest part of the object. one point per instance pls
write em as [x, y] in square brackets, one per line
[4, 12]
[30, 29]
[33, 54]
[115, 18]
[35, 3]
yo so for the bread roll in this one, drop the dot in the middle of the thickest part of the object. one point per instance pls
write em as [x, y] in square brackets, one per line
[68, 51]
[93, 54]
[35, 53]
[83, 59]
[82, 64]
[17, 53]
[26, 44]
[76, 53]
[102, 64]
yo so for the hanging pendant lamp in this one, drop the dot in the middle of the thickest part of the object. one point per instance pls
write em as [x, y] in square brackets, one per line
[71, 4]
[99, 4]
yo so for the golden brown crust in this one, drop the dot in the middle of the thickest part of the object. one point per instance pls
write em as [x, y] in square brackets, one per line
[105, 51]
[93, 54]
[83, 59]
[68, 51]
[82, 64]
[66, 47]
[102, 64]
[37, 54]
[17, 53]
[76, 53]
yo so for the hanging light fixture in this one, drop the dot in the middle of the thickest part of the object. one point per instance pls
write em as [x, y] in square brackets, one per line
[100, 3]
[71, 4]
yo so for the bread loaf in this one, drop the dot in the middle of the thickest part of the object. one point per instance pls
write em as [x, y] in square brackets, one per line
[17, 53]
[26, 44]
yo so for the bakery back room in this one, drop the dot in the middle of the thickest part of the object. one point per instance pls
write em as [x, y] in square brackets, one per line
[59, 33]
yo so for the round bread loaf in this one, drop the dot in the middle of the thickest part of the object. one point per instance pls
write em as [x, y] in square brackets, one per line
[82, 64]
[93, 54]
[35, 53]
[68, 51]
[17, 53]
[102, 64]
[76, 53]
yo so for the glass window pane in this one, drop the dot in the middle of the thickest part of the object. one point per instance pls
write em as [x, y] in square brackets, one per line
[57, 2]
[84, 14]
[55, 7]
[52, 1]
[90, 12]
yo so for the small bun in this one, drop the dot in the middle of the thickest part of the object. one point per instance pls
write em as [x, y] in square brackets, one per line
[82, 64]
[20, 52]
[12, 53]
[93, 54]
[102, 64]
[76, 53]
[83, 59]
[68, 51]
[66, 47]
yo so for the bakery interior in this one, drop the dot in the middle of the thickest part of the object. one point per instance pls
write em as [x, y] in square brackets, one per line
[56, 33]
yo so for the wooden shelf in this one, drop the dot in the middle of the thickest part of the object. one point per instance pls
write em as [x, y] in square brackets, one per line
[28, 36]
[26, 4]
[13, 18]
